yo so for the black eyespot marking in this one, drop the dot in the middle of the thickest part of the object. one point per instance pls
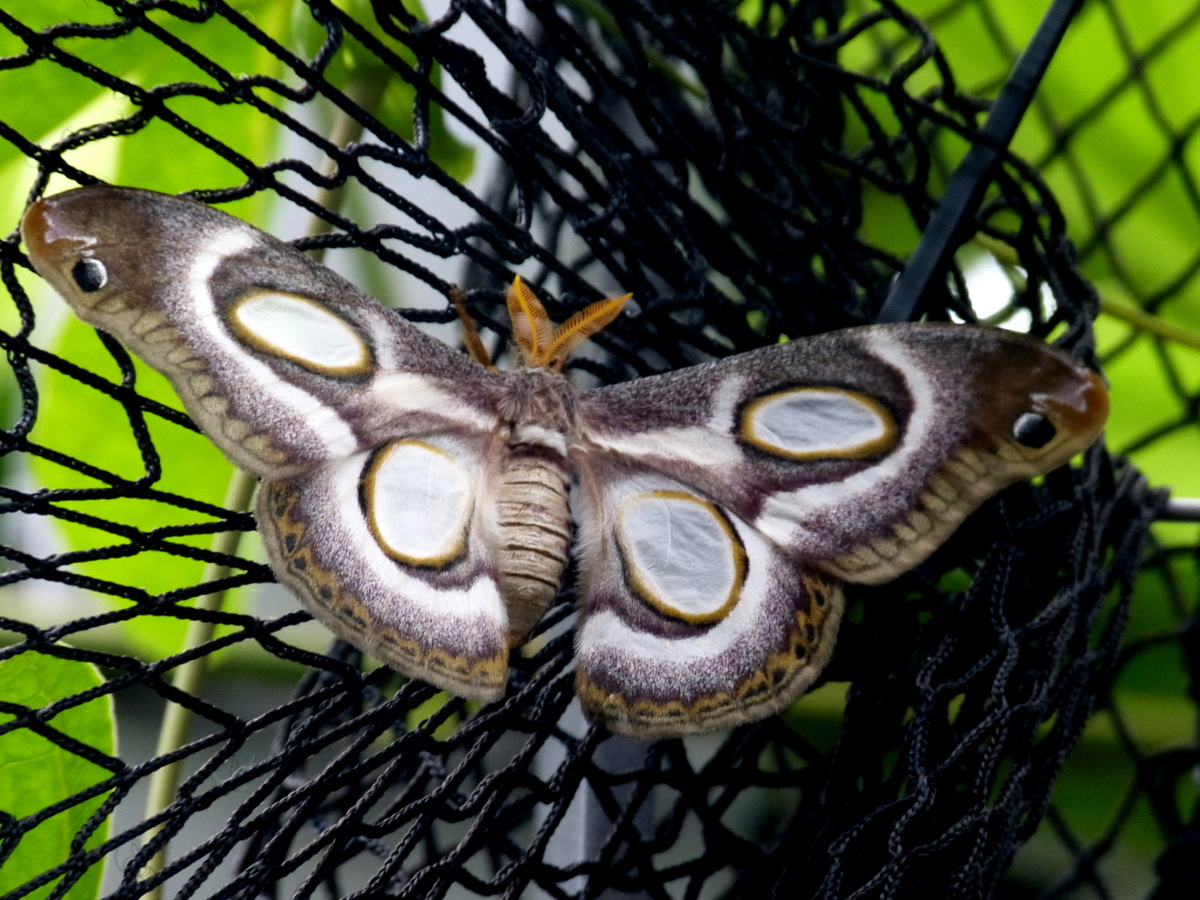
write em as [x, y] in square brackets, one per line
[89, 274]
[1033, 430]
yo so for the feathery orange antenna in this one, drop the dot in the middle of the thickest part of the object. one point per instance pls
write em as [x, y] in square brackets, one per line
[540, 342]
[531, 326]
[580, 327]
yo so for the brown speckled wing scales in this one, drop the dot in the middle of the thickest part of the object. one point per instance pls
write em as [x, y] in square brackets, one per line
[370, 436]
[417, 502]
[765, 479]
[691, 620]
[388, 549]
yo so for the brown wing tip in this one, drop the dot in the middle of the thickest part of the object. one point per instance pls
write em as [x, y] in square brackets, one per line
[35, 229]
[1083, 409]
[56, 243]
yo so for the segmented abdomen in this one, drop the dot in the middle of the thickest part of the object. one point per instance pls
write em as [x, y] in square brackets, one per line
[535, 535]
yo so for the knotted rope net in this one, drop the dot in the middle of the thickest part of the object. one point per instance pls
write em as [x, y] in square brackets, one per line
[750, 172]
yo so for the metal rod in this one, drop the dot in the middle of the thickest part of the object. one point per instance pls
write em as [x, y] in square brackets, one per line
[1181, 509]
[965, 191]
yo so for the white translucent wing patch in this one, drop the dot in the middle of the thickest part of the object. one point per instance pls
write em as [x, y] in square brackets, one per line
[697, 659]
[810, 423]
[801, 516]
[681, 555]
[418, 502]
[319, 430]
[302, 331]
[656, 511]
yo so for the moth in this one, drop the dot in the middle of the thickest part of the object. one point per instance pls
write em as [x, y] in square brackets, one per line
[424, 506]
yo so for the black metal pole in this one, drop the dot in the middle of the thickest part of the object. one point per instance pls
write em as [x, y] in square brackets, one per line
[969, 181]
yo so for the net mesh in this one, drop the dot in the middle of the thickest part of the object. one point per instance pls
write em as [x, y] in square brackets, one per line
[748, 172]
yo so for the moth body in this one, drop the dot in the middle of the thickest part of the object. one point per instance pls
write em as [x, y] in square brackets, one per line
[535, 537]
[419, 503]
[532, 495]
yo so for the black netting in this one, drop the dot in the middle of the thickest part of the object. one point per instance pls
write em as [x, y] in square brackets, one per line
[748, 171]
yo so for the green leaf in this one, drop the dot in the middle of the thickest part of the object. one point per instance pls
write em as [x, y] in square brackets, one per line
[36, 773]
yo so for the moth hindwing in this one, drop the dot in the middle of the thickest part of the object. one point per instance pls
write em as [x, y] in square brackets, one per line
[416, 501]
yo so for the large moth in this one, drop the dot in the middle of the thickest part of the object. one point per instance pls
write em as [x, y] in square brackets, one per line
[424, 506]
